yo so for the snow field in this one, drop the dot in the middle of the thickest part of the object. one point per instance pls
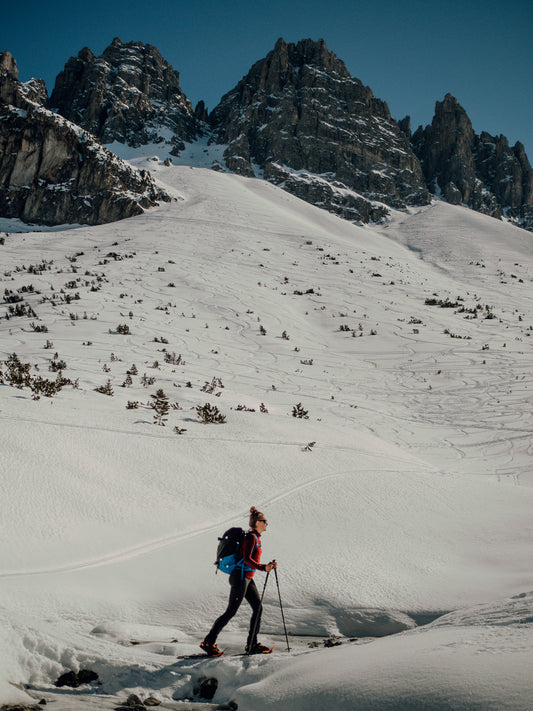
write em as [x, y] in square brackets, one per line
[414, 499]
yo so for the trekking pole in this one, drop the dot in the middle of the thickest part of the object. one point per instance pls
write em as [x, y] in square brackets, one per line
[260, 606]
[282, 615]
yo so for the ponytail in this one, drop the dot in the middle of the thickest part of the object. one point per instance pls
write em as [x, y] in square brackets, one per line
[254, 516]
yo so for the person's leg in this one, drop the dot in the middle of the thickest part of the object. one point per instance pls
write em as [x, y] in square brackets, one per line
[237, 592]
[254, 600]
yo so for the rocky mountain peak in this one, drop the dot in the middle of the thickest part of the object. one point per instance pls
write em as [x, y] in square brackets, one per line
[480, 171]
[9, 93]
[53, 172]
[8, 65]
[445, 151]
[86, 55]
[300, 120]
[452, 120]
[308, 52]
[17, 93]
[129, 94]
[283, 66]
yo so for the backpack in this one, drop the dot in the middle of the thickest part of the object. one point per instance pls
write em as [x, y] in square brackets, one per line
[228, 550]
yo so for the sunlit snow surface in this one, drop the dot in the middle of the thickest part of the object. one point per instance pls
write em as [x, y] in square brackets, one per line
[414, 500]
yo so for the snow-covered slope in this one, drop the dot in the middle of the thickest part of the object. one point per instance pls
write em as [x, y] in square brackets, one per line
[405, 493]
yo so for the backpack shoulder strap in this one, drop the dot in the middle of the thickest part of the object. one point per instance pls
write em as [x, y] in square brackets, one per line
[257, 543]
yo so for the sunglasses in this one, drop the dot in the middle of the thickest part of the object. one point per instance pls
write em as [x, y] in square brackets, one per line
[262, 520]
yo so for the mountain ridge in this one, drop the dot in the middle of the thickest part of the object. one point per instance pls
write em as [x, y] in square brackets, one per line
[299, 120]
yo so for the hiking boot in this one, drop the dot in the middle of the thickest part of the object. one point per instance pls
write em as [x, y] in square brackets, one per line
[257, 648]
[210, 649]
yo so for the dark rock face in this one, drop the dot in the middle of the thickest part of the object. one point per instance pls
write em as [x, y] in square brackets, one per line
[300, 110]
[482, 172]
[445, 152]
[52, 172]
[330, 195]
[130, 94]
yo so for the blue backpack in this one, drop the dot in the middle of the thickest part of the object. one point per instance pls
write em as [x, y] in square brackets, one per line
[228, 551]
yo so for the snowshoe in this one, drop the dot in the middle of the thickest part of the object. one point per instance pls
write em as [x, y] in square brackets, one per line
[258, 648]
[211, 649]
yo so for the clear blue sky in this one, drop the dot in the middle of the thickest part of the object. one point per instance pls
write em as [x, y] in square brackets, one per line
[409, 52]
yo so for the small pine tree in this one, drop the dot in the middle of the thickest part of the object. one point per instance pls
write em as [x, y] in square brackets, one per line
[39, 328]
[210, 387]
[161, 407]
[106, 389]
[41, 386]
[18, 373]
[174, 359]
[299, 411]
[210, 414]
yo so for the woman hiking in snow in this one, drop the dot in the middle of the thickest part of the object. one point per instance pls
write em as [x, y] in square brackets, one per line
[243, 587]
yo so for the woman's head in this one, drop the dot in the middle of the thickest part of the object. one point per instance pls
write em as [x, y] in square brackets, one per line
[256, 517]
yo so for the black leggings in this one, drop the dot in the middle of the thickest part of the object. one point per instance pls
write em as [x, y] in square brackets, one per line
[241, 588]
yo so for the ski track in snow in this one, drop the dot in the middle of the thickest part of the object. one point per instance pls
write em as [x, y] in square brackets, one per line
[149, 546]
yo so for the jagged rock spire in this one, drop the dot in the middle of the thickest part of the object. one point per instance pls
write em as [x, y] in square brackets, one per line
[9, 65]
[481, 171]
